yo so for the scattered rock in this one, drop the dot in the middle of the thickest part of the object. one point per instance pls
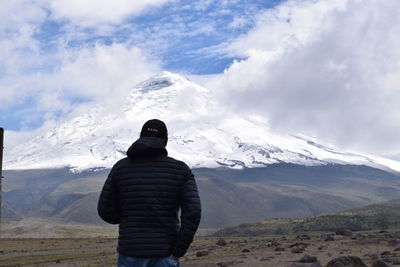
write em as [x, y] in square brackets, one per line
[397, 248]
[267, 258]
[246, 250]
[330, 237]
[315, 264]
[226, 263]
[385, 253]
[221, 242]
[308, 259]
[379, 263]
[303, 237]
[272, 243]
[393, 260]
[202, 253]
[344, 232]
[279, 249]
[297, 249]
[346, 261]
[301, 244]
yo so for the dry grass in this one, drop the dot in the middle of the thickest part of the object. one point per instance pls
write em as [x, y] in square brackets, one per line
[39, 228]
[101, 251]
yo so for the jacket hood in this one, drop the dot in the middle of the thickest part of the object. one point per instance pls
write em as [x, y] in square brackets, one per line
[146, 147]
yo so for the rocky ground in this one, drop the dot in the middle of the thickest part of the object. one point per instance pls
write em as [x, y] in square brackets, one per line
[344, 248]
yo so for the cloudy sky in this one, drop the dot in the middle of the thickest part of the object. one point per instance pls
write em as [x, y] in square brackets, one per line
[328, 69]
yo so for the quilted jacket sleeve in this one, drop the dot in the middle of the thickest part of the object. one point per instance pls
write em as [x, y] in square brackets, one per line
[190, 215]
[108, 205]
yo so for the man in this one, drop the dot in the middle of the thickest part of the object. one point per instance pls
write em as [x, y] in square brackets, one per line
[143, 194]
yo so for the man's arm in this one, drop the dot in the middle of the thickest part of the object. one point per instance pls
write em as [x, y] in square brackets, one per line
[190, 215]
[108, 206]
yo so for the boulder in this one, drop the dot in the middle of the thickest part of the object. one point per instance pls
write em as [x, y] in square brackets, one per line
[344, 232]
[298, 247]
[385, 253]
[273, 243]
[330, 237]
[202, 253]
[221, 242]
[308, 259]
[346, 261]
[379, 263]
[314, 264]
[228, 263]
[297, 250]
[301, 244]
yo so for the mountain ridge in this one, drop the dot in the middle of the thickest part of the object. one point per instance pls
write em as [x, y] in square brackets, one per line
[229, 196]
[381, 216]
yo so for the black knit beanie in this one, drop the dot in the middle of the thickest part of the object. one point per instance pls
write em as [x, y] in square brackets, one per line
[154, 128]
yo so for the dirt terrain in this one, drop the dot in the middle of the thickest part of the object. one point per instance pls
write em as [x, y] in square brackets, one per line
[274, 251]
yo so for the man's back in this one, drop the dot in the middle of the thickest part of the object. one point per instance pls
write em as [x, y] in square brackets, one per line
[143, 193]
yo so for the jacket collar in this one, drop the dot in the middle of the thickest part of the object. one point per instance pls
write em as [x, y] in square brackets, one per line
[146, 147]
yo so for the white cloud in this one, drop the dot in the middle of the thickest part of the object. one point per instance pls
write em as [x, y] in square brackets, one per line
[326, 68]
[52, 79]
[18, 49]
[100, 73]
[89, 13]
[103, 72]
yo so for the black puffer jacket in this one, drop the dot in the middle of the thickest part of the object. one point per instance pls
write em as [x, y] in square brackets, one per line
[143, 193]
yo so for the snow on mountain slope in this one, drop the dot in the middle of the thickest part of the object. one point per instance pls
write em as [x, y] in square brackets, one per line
[201, 133]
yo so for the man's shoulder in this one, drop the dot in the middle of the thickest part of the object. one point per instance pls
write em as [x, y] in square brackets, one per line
[179, 163]
[121, 161]
[170, 160]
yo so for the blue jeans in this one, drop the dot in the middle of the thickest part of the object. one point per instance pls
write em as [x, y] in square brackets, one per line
[126, 261]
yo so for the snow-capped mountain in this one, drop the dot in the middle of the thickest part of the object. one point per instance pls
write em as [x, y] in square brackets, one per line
[201, 133]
